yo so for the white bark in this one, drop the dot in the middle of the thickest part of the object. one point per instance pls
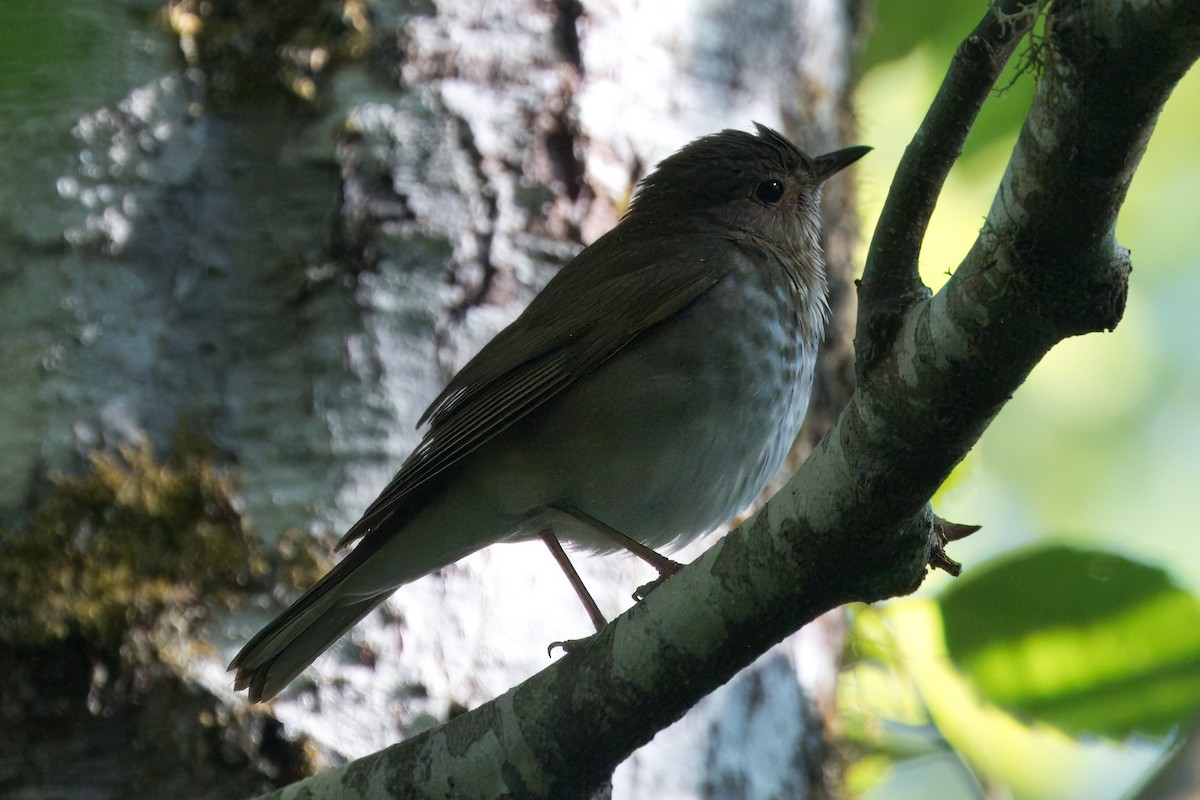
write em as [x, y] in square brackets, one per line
[205, 283]
[854, 522]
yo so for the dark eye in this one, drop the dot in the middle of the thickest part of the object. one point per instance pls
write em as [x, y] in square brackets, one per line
[769, 192]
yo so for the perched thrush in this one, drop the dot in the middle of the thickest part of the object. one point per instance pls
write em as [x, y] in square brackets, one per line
[642, 399]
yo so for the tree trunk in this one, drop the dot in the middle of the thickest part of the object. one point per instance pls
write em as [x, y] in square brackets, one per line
[287, 235]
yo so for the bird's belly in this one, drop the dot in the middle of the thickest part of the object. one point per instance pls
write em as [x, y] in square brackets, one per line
[677, 433]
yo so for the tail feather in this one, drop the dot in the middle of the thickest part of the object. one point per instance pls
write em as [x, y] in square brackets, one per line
[293, 640]
[412, 541]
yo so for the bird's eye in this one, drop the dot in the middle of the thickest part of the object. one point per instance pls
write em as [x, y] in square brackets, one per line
[769, 192]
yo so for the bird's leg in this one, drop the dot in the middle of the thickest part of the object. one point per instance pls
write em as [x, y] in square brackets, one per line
[581, 591]
[665, 566]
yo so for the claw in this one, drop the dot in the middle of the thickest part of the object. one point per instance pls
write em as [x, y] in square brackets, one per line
[640, 593]
[568, 645]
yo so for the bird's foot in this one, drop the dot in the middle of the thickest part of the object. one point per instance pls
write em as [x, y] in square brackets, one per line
[569, 645]
[666, 568]
[643, 591]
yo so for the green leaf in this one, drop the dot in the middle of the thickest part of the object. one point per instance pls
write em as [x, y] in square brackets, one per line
[898, 27]
[1033, 761]
[1086, 641]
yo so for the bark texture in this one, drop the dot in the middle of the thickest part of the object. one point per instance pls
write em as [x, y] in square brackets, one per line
[854, 523]
[283, 226]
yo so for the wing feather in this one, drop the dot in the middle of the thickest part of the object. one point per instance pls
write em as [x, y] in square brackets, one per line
[536, 358]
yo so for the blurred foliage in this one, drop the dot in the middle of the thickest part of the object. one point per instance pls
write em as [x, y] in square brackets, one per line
[1055, 671]
[133, 545]
[1084, 640]
[904, 33]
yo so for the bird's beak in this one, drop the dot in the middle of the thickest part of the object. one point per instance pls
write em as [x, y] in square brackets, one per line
[830, 164]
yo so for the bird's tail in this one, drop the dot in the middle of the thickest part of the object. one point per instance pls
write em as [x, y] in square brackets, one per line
[415, 538]
[293, 640]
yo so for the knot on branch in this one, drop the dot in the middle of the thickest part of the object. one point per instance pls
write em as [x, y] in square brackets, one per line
[1086, 295]
[896, 557]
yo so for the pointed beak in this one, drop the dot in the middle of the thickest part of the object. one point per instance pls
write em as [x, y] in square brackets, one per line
[830, 164]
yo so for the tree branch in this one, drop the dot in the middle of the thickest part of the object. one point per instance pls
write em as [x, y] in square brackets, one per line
[854, 522]
[891, 282]
[1109, 67]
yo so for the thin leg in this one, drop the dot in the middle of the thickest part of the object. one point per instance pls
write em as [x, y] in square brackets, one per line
[568, 568]
[665, 566]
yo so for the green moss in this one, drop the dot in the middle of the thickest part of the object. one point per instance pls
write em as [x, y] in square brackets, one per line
[134, 546]
[250, 50]
[103, 595]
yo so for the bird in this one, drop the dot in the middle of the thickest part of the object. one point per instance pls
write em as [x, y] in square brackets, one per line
[642, 399]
